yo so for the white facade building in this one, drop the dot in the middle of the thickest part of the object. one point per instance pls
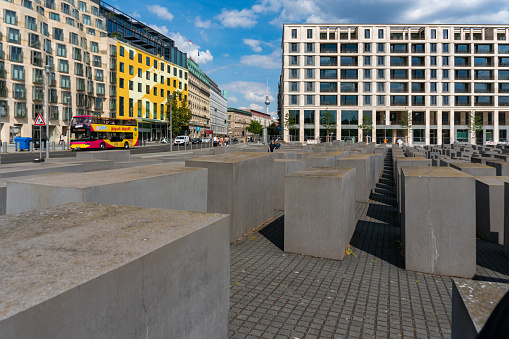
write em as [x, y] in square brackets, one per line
[441, 75]
[218, 110]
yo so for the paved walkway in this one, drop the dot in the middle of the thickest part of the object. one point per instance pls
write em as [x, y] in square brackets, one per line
[367, 295]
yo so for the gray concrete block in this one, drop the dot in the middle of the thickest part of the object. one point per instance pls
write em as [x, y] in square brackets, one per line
[240, 184]
[26, 169]
[161, 186]
[365, 174]
[506, 219]
[286, 155]
[489, 199]
[114, 155]
[438, 221]
[501, 167]
[472, 304]
[474, 169]
[102, 271]
[283, 167]
[407, 162]
[320, 211]
[327, 159]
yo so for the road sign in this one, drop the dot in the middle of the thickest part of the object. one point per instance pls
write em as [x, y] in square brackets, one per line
[39, 121]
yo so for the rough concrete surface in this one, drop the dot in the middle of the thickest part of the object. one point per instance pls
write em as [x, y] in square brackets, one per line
[320, 211]
[103, 271]
[161, 186]
[438, 220]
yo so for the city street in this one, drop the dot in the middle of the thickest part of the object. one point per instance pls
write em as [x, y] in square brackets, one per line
[13, 157]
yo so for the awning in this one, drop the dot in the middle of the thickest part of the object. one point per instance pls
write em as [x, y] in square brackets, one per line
[208, 131]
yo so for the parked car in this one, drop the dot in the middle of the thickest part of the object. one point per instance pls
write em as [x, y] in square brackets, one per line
[206, 140]
[235, 140]
[197, 141]
[181, 140]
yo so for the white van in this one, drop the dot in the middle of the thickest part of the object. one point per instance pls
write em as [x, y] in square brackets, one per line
[181, 140]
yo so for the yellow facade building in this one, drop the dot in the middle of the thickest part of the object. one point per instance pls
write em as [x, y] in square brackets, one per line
[144, 84]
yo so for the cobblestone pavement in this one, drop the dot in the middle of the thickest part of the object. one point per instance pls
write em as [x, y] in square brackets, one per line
[367, 295]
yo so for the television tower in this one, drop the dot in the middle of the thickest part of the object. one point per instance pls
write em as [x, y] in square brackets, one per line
[267, 102]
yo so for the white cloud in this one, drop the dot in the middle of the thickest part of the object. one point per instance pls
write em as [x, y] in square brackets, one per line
[161, 12]
[235, 18]
[254, 44]
[199, 23]
[182, 44]
[136, 15]
[251, 91]
[226, 55]
[257, 107]
[203, 58]
[233, 99]
[267, 6]
[272, 61]
[161, 29]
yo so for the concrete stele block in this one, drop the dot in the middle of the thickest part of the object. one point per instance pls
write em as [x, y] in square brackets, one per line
[115, 155]
[474, 169]
[438, 219]
[489, 199]
[283, 167]
[160, 186]
[240, 184]
[472, 304]
[365, 172]
[506, 218]
[320, 211]
[100, 271]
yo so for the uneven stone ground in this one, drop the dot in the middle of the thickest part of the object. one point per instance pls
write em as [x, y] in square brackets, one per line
[368, 294]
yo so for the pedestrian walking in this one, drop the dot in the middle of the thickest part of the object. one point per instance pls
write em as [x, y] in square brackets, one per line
[61, 139]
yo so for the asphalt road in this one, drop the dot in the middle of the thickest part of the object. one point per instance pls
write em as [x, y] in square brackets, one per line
[25, 156]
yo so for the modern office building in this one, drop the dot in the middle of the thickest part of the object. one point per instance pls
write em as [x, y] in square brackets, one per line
[218, 110]
[148, 69]
[92, 55]
[433, 78]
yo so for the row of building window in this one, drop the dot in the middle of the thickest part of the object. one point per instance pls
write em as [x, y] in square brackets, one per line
[399, 61]
[399, 100]
[148, 109]
[395, 35]
[176, 72]
[399, 74]
[399, 48]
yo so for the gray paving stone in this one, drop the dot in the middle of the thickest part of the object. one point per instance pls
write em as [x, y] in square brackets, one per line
[368, 294]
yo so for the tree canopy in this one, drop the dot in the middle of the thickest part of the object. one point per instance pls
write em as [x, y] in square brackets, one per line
[254, 127]
[181, 114]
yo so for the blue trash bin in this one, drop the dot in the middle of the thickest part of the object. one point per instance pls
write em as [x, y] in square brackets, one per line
[24, 143]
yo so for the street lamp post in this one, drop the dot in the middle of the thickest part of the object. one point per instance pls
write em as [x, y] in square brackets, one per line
[171, 125]
[48, 72]
[68, 124]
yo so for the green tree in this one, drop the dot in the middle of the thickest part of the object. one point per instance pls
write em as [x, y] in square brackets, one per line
[272, 129]
[475, 125]
[181, 114]
[367, 126]
[291, 123]
[405, 122]
[254, 127]
[328, 120]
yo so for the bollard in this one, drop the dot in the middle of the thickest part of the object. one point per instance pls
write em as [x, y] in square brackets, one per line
[31, 146]
[4, 147]
[42, 146]
[63, 145]
[144, 142]
[52, 145]
[18, 146]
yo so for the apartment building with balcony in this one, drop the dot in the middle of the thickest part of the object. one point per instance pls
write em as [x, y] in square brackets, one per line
[440, 76]
[86, 47]
[69, 39]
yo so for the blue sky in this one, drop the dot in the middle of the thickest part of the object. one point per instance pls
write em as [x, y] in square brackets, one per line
[240, 41]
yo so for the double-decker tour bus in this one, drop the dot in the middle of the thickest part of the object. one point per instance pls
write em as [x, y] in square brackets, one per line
[88, 131]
